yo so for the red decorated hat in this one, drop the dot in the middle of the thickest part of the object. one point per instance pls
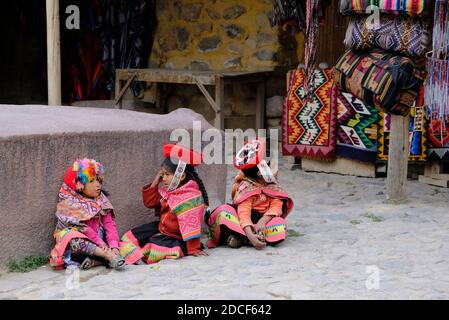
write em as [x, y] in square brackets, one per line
[182, 153]
[250, 155]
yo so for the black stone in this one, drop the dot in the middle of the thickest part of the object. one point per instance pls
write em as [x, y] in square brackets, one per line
[209, 44]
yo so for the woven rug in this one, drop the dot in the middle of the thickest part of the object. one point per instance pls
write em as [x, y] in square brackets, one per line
[309, 129]
[403, 35]
[417, 135]
[356, 128]
[439, 154]
[438, 133]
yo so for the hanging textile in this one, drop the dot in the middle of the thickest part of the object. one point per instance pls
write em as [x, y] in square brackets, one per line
[309, 126]
[402, 35]
[292, 13]
[82, 56]
[380, 79]
[356, 128]
[437, 87]
[414, 8]
[439, 133]
[418, 143]
[127, 36]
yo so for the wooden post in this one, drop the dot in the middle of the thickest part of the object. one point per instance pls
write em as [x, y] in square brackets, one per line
[53, 53]
[219, 102]
[117, 88]
[398, 159]
[260, 108]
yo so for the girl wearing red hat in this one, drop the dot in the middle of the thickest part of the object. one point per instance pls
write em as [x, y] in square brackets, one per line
[259, 205]
[86, 233]
[180, 204]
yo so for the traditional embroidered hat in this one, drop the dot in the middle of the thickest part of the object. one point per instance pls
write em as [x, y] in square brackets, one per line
[184, 154]
[83, 170]
[250, 155]
[253, 154]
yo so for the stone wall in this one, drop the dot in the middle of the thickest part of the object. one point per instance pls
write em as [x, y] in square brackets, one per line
[39, 143]
[222, 35]
[226, 34]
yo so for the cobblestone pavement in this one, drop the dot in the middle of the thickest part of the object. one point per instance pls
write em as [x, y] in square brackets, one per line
[351, 245]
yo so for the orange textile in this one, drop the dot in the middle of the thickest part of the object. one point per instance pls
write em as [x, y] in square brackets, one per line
[261, 204]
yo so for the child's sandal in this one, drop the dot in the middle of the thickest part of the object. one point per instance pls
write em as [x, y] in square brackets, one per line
[117, 263]
[234, 242]
[87, 263]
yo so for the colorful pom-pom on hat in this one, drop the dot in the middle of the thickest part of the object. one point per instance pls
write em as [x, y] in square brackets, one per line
[83, 170]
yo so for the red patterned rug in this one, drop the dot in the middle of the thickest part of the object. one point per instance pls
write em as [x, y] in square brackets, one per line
[309, 129]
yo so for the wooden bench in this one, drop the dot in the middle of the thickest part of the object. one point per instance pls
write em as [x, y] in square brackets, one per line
[218, 79]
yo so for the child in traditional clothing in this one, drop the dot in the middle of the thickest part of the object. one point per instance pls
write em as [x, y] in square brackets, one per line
[180, 203]
[259, 205]
[86, 233]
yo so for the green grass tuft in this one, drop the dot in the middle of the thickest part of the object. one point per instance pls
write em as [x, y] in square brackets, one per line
[373, 217]
[294, 233]
[354, 222]
[28, 264]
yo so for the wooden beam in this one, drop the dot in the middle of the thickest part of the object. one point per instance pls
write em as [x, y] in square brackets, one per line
[219, 100]
[53, 53]
[208, 97]
[123, 90]
[167, 76]
[260, 105]
[398, 159]
[436, 180]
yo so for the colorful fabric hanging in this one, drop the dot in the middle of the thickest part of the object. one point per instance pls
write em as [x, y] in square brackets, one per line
[309, 125]
[418, 143]
[439, 133]
[437, 87]
[381, 79]
[402, 35]
[126, 32]
[292, 13]
[82, 56]
[414, 8]
[357, 125]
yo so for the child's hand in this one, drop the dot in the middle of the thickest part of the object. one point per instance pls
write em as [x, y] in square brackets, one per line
[201, 253]
[261, 225]
[157, 179]
[254, 238]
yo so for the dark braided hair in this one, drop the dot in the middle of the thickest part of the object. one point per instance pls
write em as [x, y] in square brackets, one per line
[251, 172]
[191, 174]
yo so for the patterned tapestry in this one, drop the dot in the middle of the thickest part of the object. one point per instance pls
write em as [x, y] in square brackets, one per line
[380, 78]
[309, 129]
[417, 133]
[414, 8]
[439, 133]
[403, 35]
[357, 125]
[438, 139]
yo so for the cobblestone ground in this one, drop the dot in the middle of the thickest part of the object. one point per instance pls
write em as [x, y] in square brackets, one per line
[347, 237]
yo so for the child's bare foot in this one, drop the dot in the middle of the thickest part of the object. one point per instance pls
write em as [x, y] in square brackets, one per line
[234, 242]
[201, 253]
